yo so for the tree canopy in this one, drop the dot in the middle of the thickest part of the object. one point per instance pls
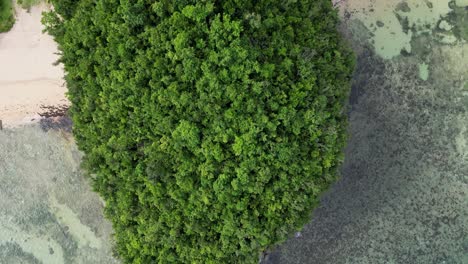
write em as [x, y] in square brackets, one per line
[210, 128]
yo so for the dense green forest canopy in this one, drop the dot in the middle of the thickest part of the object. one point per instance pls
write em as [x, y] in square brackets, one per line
[210, 127]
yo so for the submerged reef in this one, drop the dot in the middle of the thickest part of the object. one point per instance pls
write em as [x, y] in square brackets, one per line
[402, 197]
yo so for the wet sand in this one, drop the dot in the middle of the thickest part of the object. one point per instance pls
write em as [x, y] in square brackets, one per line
[48, 211]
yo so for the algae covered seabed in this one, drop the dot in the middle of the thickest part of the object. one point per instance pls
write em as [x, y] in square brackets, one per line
[403, 192]
[48, 213]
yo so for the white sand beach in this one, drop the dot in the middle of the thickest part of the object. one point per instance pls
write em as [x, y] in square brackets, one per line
[28, 78]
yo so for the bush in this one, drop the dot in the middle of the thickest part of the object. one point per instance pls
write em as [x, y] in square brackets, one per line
[211, 127]
[27, 4]
[7, 19]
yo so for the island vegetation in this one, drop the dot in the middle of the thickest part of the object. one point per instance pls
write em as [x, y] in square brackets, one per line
[210, 128]
[7, 18]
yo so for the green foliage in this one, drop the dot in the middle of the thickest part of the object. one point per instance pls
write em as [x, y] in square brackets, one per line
[65, 8]
[27, 4]
[459, 18]
[7, 18]
[211, 127]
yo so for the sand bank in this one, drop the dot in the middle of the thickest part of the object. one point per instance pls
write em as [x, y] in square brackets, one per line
[28, 78]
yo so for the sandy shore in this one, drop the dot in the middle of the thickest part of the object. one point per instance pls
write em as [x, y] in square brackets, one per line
[28, 78]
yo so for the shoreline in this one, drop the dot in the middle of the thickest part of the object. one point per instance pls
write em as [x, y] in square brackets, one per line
[29, 80]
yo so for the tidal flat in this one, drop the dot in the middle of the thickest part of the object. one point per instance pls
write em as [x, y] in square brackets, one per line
[48, 212]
